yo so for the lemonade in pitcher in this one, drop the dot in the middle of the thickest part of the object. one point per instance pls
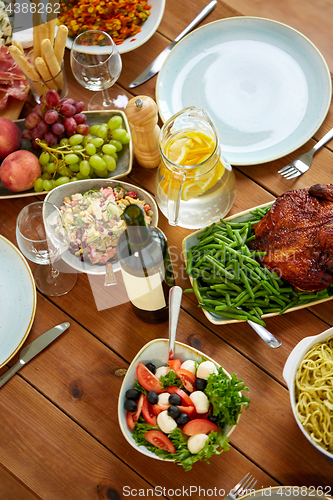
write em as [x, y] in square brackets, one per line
[194, 185]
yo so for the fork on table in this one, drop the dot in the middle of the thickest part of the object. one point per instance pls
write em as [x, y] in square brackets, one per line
[303, 162]
[247, 483]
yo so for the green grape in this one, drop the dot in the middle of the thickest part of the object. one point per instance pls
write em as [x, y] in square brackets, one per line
[102, 173]
[47, 185]
[87, 139]
[108, 149]
[118, 145]
[115, 156]
[71, 158]
[119, 135]
[110, 162]
[115, 122]
[75, 167]
[44, 168]
[97, 163]
[38, 186]
[90, 149]
[126, 139]
[62, 180]
[80, 177]
[75, 139]
[44, 158]
[93, 130]
[53, 183]
[64, 141]
[77, 147]
[62, 170]
[97, 142]
[102, 131]
[84, 168]
[51, 168]
[73, 179]
[46, 175]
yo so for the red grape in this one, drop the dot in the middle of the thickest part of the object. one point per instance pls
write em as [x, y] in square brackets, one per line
[34, 145]
[51, 138]
[26, 134]
[70, 125]
[80, 118]
[39, 110]
[67, 99]
[79, 106]
[67, 109]
[35, 134]
[58, 128]
[42, 127]
[52, 98]
[51, 116]
[83, 129]
[32, 121]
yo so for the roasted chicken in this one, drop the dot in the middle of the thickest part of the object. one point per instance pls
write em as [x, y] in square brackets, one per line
[297, 234]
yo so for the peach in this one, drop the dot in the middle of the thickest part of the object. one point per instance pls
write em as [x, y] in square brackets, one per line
[19, 170]
[10, 137]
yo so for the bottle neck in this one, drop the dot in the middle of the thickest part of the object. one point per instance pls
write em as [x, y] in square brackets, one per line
[137, 232]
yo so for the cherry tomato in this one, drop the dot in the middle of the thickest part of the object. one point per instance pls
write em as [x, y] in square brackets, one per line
[174, 364]
[160, 440]
[189, 410]
[186, 400]
[147, 412]
[187, 378]
[147, 379]
[129, 420]
[157, 409]
[200, 426]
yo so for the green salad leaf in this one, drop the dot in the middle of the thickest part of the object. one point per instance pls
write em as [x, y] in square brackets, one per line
[171, 379]
[224, 395]
[139, 387]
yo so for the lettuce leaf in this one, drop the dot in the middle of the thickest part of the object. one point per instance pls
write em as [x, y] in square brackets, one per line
[171, 379]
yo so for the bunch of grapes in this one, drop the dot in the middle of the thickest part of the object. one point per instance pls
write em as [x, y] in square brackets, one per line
[54, 119]
[82, 156]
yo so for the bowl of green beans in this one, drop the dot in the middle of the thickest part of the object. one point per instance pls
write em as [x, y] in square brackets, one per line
[228, 280]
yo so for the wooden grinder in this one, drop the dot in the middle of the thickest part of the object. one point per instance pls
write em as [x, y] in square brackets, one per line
[141, 112]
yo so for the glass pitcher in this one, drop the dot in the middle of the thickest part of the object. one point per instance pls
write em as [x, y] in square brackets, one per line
[194, 184]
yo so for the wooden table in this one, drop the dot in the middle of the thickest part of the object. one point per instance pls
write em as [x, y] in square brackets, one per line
[59, 432]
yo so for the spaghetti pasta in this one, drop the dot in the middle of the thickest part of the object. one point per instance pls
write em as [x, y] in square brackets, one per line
[314, 393]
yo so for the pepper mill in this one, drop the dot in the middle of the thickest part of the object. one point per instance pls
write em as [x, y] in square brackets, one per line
[141, 112]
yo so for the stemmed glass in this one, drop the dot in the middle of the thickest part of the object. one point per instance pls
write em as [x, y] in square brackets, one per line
[43, 237]
[96, 65]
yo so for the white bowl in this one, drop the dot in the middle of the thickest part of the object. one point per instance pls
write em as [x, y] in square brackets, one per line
[57, 195]
[156, 352]
[289, 374]
[148, 28]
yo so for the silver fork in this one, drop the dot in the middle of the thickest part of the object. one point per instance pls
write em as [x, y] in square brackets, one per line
[303, 162]
[247, 483]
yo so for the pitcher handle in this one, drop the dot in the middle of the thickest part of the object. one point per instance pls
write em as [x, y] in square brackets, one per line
[175, 191]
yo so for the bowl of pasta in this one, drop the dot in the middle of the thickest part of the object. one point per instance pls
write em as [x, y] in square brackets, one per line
[309, 375]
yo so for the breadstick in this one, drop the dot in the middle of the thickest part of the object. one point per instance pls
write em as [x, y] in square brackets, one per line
[18, 44]
[36, 19]
[26, 67]
[43, 31]
[51, 61]
[44, 72]
[60, 43]
[52, 24]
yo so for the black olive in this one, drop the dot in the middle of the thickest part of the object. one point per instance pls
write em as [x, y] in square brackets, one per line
[152, 397]
[151, 367]
[182, 419]
[174, 411]
[212, 418]
[175, 400]
[132, 394]
[200, 384]
[130, 405]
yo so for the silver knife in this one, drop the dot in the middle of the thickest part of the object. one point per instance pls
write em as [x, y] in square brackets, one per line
[157, 64]
[31, 350]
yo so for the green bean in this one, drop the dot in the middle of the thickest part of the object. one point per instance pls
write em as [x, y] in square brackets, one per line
[246, 283]
[189, 261]
[219, 266]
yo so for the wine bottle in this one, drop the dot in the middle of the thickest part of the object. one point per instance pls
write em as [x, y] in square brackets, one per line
[146, 267]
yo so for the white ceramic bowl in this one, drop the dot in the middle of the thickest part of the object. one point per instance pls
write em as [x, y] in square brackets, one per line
[57, 195]
[148, 28]
[155, 352]
[289, 374]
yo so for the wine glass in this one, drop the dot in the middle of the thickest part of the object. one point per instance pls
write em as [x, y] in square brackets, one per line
[43, 237]
[96, 65]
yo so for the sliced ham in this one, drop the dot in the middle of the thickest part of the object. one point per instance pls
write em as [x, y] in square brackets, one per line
[12, 80]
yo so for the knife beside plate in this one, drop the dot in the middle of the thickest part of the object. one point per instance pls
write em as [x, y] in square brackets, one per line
[31, 350]
[157, 64]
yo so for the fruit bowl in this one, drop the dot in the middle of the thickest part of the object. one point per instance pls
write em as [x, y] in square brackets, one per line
[125, 156]
[156, 352]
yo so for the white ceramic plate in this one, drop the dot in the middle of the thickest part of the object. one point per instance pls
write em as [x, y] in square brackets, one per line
[148, 28]
[218, 319]
[155, 352]
[18, 300]
[265, 85]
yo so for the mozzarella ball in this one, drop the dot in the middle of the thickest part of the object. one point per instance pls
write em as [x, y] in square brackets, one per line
[165, 422]
[197, 442]
[200, 401]
[162, 371]
[205, 369]
[189, 365]
[163, 399]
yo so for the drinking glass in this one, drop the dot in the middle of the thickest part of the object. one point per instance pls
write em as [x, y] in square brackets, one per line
[43, 237]
[96, 65]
